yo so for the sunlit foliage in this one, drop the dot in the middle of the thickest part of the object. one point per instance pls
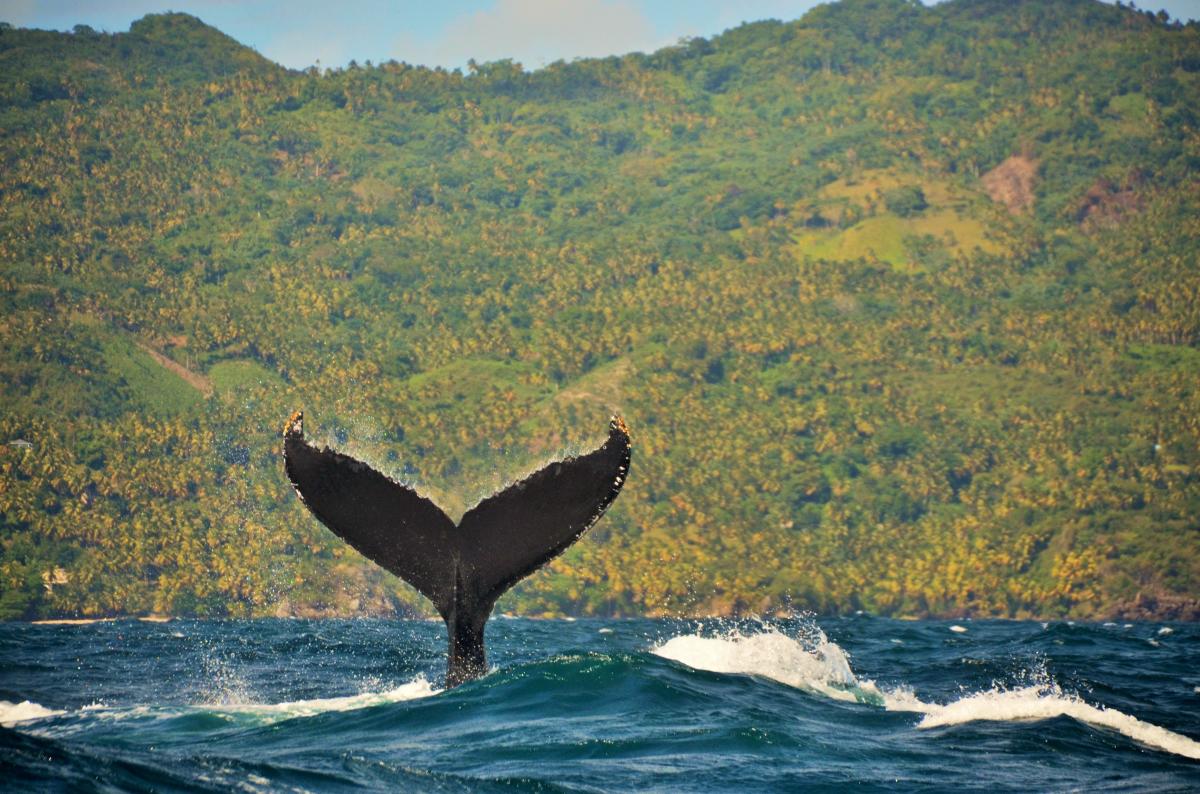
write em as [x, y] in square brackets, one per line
[854, 380]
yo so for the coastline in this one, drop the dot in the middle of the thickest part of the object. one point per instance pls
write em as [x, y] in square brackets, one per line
[1143, 609]
[89, 621]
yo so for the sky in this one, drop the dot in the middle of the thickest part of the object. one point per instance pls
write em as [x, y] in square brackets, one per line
[303, 33]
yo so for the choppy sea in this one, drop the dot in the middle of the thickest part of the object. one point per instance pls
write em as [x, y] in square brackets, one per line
[601, 705]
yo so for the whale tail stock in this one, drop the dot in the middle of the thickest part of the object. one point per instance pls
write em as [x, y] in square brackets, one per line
[462, 569]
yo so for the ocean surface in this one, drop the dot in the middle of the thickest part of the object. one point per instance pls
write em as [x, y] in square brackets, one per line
[601, 705]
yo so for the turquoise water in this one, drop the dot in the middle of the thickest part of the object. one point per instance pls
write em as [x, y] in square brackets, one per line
[601, 705]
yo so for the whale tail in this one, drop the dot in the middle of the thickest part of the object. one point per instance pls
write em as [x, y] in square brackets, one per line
[462, 569]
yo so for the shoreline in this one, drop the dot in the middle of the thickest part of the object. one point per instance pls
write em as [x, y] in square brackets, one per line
[1142, 608]
[1109, 619]
[89, 621]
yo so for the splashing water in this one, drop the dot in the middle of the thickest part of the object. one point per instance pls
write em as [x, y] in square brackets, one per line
[818, 665]
[1040, 703]
[13, 713]
[338, 705]
[273, 712]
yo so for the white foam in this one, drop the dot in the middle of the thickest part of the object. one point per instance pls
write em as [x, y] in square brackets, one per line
[821, 667]
[605, 630]
[274, 712]
[1040, 703]
[25, 711]
[262, 713]
[1165, 630]
[957, 629]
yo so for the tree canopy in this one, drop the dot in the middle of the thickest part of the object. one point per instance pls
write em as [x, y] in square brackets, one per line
[900, 303]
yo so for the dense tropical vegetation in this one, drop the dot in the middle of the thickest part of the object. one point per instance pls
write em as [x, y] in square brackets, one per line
[901, 304]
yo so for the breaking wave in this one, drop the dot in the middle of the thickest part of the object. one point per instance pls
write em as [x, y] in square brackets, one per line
[26, 711]
[816, 664]
[12, 714]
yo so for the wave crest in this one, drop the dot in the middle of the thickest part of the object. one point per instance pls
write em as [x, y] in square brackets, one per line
[819, 665]
[1045, 702]
[25, 711]
[246, 712]
[272, 712]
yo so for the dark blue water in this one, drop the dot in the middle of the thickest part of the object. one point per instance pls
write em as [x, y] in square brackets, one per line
[601, 705]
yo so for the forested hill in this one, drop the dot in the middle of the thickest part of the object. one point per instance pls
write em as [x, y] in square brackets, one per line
[901, 304]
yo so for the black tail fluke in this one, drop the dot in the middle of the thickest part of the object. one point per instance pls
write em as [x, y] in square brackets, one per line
[462, 569]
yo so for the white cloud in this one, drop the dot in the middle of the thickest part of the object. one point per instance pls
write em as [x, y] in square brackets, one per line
[299, 49]
[536, 32]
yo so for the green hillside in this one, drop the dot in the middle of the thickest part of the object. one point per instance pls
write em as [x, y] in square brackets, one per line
[901, 304]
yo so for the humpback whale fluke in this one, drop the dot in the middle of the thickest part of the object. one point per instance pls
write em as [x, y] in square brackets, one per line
[462, 569]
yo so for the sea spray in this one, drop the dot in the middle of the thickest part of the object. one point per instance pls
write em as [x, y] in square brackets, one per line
[248, 712]
[814, 663]
[11, 714]
[273, 712]
[1045, 702]
[340, 705]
